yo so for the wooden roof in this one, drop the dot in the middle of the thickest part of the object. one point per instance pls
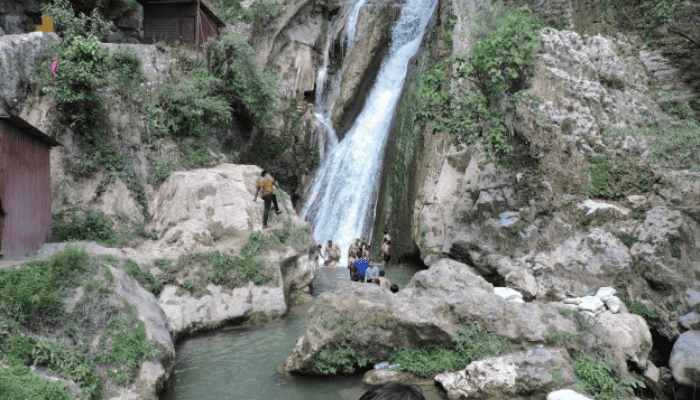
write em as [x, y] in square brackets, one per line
[29, 129]
[203, 4]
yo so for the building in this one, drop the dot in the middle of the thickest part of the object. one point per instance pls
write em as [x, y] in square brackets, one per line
[187, 21]
[25, 187]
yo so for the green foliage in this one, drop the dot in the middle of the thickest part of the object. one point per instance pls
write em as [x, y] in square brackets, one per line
[338, 359]
[124, 347]
[641, 309]
[498, 65]
[190, 106]
[196, 156]
[503, 56]
[253, 90]
[160, 172]
[598, 378]
[143, 277]
[34, 293]
[236, 271]
[473, 343]
[20, 383]
[69, 364]
[126, 72]
[259, 13]
[560, 338]
[83, 225]
[614, 178]
[70, 23]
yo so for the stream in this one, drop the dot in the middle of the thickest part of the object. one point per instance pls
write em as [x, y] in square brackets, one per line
[242, 363]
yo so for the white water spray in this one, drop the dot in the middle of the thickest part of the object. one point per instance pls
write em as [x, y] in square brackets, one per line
[342, 198]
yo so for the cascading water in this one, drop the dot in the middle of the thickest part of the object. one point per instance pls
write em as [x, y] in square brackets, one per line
[327, 90]
[342, 198]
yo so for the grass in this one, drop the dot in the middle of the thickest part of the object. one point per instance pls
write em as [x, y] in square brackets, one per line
[473, 343]
[338, 359]
[20, 383]
[598, 378]
[34, 293]
[143, 277]
[37, 330]
[124, 347]
[614, 178]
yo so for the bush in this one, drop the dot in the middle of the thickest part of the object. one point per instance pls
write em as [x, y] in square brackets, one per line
[259, 13]
[253, 90]
[338, 359]
[499, 65]
[641, 309]
[70, 23]
[126, 72]
[473, 343]
[190, 106]
[598, 378]
[83, 225]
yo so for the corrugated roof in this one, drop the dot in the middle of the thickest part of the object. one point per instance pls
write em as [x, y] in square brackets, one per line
[29, 129]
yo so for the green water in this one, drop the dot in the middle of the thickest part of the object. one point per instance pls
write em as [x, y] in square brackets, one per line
[242, 363]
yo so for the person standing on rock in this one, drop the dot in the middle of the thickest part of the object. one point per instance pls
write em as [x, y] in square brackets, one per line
[266, 185]
[372, 274]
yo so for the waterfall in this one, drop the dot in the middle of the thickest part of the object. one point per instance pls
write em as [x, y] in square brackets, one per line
[341, 202]
[326, 91]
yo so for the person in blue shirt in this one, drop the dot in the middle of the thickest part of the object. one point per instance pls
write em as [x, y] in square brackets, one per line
[361, 265]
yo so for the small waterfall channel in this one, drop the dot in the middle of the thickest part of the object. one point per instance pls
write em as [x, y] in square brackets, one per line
[341, 201]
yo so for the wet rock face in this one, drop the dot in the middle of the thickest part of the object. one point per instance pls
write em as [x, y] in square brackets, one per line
[529, 373]
[432, 308]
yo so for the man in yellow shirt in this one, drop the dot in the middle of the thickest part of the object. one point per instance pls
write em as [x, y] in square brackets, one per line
[266, 184]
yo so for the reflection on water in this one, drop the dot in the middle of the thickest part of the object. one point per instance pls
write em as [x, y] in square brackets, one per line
[242, 363]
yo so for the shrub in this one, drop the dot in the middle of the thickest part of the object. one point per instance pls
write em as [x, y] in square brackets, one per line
[499, 65]
[125, 71]
[259, 12]
[253, 90]
[83, 225]
[598, 378]
[190, 106]
[70, 23]
[641, 309]
[338, 359]
[473, 343]
[21, 383]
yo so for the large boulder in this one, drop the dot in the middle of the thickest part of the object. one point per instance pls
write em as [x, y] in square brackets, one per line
[432, 309]
[187, 313]
[202, 208]
[532, 372]
[685, 359]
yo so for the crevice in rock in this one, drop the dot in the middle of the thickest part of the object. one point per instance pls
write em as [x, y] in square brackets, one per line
[661, 348]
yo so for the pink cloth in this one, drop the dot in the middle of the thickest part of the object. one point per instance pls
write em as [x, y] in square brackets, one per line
[54, 68]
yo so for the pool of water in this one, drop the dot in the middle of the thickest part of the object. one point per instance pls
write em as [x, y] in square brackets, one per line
[243, 363]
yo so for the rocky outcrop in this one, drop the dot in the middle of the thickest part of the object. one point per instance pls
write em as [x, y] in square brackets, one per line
[187, 314]
[203, 208]
[530, 373]
[19, 56]
[153, 374]
[685, 359]
[566, 394]
[431, 309]
[19, 16]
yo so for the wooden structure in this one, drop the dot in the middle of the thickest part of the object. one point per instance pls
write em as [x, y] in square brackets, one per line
[25, 187]
[187, 21]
